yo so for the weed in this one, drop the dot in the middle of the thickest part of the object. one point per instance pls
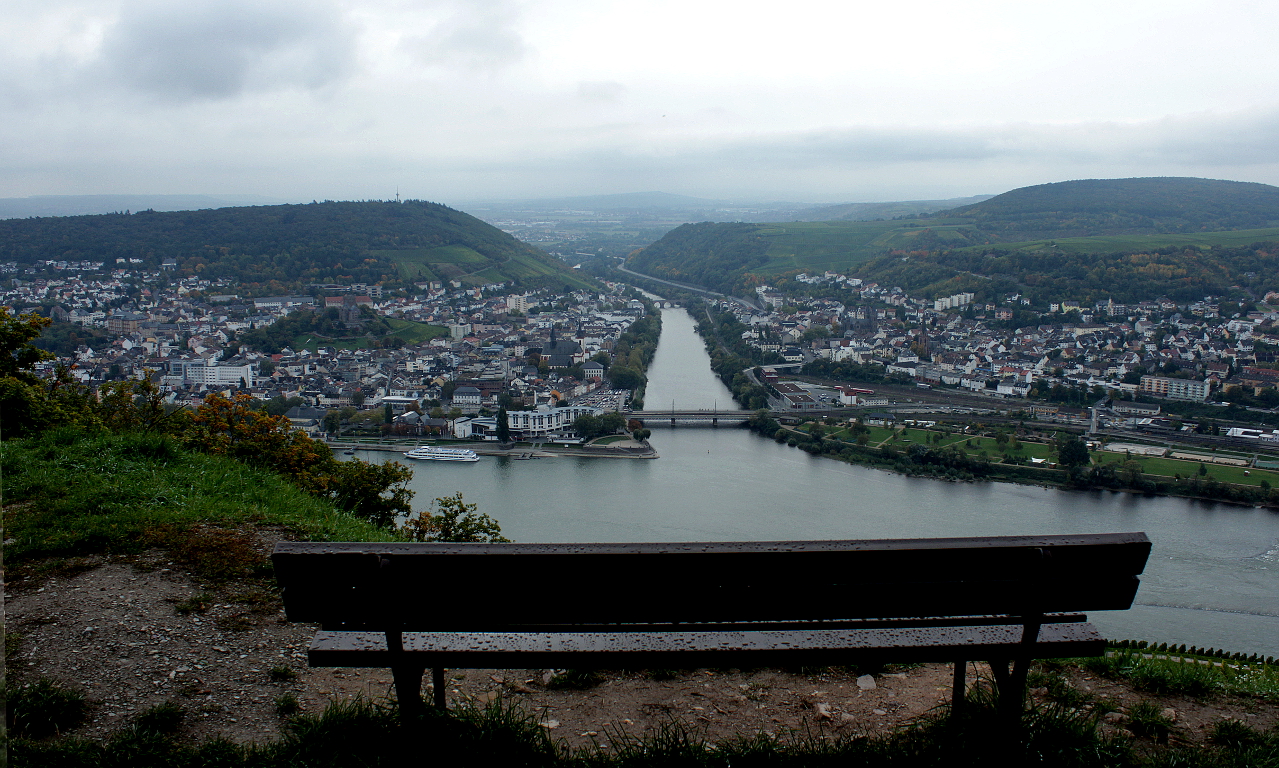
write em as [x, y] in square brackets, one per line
[1146, 720]
[12, 644]
[44, 708]
[287, 705]
[1236, 734]
[662, 674]
[163, 718]
[283, 674]
[1189, 678]
[195, 604]
[1111, 666]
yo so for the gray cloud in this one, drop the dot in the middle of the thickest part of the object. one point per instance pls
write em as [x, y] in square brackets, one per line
[221, 48]
[477, 37]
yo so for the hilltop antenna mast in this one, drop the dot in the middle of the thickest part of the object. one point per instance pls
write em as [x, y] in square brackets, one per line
[397, 193]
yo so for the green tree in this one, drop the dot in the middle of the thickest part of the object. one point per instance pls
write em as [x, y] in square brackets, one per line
[1072, 452]
[375, 492]
[454, 520]
[503, 426]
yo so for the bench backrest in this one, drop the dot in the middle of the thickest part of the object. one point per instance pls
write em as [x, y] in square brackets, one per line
[499, 587]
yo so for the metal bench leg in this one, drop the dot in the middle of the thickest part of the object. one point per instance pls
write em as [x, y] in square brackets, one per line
[408, 690]
[958, 687]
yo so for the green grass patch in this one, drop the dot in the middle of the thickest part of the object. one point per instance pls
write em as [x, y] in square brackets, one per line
[610, 439]
[415, 333]
[71, 494]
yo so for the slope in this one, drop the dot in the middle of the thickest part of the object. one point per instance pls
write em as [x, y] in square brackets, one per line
[285, 246]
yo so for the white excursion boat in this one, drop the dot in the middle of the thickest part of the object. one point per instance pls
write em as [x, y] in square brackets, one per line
[436, 453]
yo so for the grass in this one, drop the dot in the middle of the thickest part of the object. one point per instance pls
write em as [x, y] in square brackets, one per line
[70, 494]
[43, 708]
[361, 732]
[1198, 676]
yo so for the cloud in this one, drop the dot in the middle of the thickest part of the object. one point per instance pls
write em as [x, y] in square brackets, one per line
[218, 49]
[479, 37]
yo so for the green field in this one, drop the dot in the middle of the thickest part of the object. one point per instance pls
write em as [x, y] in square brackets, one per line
[1133, 243]
[425, 263]
[1150, 465]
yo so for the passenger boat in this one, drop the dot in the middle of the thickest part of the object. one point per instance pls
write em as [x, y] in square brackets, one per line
[436, 453]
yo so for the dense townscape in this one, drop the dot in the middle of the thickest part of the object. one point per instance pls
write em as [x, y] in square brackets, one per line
[1071, 354]
[489, 347]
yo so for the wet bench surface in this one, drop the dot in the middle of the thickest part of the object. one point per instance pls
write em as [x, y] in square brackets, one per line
[409, 607]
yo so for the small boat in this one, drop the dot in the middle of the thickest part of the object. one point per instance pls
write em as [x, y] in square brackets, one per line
[349, 452]
[436, 453]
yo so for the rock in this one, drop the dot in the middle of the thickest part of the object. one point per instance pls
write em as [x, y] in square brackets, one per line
[823, 711]
[866, 682]
[1114, 717]
[847, 718]
[550, 724]
[1170, 714]
[880, 711]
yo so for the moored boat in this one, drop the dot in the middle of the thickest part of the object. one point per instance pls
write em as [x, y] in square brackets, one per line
[437, 453]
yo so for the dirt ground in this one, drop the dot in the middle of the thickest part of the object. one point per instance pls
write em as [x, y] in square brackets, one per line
[130, 635]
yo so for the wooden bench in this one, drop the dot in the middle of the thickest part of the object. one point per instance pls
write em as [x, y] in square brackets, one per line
[1006, 600]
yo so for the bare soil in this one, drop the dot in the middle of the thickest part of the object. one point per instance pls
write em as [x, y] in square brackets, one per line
[114, 630]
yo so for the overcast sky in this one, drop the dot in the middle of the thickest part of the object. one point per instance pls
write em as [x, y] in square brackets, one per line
[450, 100]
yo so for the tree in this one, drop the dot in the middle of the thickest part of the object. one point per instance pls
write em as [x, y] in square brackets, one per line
[455, 520]
[1072, 452]
[332, 422]
[503, 426]
[375, 492]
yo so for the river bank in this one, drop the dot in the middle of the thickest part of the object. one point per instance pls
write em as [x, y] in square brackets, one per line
[625, 449]
[921, 460]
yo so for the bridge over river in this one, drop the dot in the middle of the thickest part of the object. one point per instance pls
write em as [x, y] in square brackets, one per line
[700, 418]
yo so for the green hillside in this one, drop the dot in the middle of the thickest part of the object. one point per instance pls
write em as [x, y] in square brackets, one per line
[730, 256]
[1196, 236]
[1123, 206]
[279, 247]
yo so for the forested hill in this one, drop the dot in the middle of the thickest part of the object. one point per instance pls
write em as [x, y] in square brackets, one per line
[1122, 207]
[280, 246]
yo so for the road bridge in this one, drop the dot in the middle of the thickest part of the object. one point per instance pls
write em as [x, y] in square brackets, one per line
[700, 418]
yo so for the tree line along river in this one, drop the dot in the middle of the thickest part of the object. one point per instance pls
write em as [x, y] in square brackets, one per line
[1212, 580]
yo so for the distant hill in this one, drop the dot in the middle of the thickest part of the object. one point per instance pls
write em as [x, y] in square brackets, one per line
[280, 247]
[83, 205]
[1186, 237]
[1122, 207]
[875, 211]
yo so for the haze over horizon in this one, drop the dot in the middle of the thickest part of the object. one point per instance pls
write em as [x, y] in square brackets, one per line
[451, 101]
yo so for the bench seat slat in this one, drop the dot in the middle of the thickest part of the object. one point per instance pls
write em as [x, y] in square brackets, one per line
[633, 650]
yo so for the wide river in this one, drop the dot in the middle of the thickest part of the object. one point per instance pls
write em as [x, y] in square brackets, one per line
[1212, 581]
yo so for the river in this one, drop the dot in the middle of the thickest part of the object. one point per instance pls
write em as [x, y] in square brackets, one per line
[1212, 581]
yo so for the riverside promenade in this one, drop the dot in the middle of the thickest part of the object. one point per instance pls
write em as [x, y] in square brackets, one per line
[620, 449]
